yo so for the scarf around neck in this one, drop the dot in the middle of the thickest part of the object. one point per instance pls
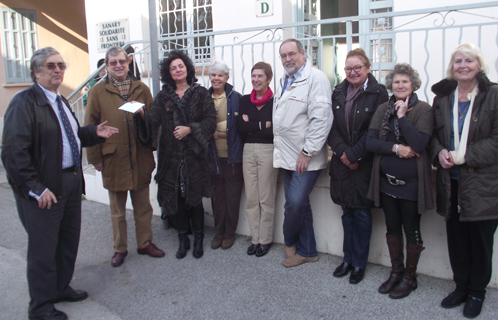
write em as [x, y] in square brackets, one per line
[261, 102]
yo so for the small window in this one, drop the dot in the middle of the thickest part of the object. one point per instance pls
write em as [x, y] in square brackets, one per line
[20, 42]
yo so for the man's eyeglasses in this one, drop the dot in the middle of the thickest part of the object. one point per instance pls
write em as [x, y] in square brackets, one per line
[355, 68]
[52, 66]
[114, 63]
[291, 55]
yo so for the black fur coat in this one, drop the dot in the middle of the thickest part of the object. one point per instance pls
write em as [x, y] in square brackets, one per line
[196, 110]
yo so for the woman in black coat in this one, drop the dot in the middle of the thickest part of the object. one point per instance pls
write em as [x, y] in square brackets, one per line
[186, 113]
[354, 101]
[467, 173]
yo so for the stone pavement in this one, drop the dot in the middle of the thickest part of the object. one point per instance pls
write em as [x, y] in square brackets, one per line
[224, 284]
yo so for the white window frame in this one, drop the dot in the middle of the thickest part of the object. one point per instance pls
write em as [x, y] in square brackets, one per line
[20, 41]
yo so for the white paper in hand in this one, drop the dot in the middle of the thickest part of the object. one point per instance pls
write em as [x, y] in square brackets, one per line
[131, 106]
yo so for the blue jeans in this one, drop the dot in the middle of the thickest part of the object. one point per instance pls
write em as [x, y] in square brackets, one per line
[357, 225]
[298, 218]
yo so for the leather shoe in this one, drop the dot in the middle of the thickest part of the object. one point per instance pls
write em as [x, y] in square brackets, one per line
[357, 275]
[453, 300]
[252, 249]
[228, 241]
[342, 270]
[263, 249]
[118, 258]
[216, 242]
[76, 295]
[152, 250]
[472, 307]
[53, 314]
[297, 260]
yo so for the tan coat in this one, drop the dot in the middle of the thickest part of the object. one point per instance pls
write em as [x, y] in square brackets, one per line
[127, 164]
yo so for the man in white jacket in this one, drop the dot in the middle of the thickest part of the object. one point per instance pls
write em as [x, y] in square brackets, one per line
[302, 118]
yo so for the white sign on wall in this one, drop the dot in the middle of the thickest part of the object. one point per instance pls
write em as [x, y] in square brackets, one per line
[112, 33]
[264, 8]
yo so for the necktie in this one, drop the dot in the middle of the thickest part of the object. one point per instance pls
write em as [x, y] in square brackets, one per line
[70, 134]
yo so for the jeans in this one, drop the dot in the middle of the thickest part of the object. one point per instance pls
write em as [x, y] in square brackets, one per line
[357, 225]
[298, 218]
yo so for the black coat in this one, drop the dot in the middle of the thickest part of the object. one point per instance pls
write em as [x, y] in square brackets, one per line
[350, 187]
[478, 179]
[196, 110]
[32, 143]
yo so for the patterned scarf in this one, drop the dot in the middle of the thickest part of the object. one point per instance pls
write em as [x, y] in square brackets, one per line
[391, 112]
[123, 87]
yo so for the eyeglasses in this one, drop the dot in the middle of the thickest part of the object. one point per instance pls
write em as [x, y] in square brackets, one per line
[291, 55]
[52, 66]
[355, 68]
[113, 63]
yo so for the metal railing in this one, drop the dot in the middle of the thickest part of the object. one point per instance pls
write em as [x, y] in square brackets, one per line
[423, 38]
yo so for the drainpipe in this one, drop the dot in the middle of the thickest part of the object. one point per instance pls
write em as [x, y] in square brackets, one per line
[154, 47]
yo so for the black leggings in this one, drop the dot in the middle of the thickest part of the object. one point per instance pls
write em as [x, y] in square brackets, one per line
[400, 214]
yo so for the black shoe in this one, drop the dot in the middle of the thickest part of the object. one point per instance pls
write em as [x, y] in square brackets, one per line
[198, 246]
[53, 314]
[454, 299]
[252, 249]
[472, 307]
[357, 275]
[342, 270]
[263, 249]
[77, 295]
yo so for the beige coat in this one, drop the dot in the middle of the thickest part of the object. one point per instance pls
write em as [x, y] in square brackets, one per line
[127, 164]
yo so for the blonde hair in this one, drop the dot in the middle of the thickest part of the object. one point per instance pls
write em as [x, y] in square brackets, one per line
[467, 50]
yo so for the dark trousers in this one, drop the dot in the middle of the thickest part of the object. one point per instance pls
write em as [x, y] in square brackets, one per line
[402, 214]
[470, 247]
[357, 225]
[226, 198]
[53, 239]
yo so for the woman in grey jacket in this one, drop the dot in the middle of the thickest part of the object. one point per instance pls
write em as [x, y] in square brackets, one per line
[466, 103]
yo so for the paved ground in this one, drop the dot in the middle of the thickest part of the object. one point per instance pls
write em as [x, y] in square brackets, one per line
[221, 285]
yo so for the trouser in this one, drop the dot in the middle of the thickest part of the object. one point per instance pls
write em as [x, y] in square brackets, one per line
[298, 218]
[142, 212]
[260, 181]
[226, 198]
[402, 214]
[53, 239]
[470, 248]
[357, 225]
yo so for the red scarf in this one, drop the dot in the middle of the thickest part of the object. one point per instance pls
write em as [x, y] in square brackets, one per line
[261, 102]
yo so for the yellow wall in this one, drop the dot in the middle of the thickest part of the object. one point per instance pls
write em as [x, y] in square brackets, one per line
[60, 24]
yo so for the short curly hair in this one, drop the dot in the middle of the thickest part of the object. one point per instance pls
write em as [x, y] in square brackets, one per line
[164, 68]
[403, 68]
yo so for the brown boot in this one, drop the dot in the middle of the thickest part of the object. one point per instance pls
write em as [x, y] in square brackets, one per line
[395, 245]
[409, 281]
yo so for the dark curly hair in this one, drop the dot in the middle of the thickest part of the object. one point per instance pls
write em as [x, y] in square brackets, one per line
[164, 67]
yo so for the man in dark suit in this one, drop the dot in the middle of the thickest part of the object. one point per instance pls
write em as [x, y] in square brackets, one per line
[41, 153]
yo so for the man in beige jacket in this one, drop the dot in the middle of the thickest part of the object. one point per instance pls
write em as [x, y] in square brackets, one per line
[126, 165]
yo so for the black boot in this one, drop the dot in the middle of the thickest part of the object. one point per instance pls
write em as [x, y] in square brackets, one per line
[181, 223]
[184, 245]
[198, 230]
[395, 245]
[409, 281]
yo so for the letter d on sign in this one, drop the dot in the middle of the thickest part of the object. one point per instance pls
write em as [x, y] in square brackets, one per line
[264, 8]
